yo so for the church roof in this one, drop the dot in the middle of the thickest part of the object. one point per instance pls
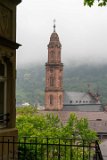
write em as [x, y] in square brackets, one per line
[83, 108]
[79, 98]
[81, 101]
[54, 40]
[97, 120]
[54, 37]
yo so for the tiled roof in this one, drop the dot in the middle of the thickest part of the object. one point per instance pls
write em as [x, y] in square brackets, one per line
[84, 108]
[98, 126]
[97, 120]
[81, 101]
[78, 98]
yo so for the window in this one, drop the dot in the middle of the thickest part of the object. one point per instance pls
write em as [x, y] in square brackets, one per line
[51, 81]
[60, 99]
[3, 76]
[60, 81]
[52, 56]
[51, 99]
[70, 101]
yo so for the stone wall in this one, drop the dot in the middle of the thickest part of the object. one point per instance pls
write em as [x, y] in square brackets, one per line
[8, 48]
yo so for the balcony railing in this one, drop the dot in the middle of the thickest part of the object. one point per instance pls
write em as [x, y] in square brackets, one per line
[33, 148]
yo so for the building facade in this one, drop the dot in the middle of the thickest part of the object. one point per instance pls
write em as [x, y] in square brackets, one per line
[54, 75]
[8, 48]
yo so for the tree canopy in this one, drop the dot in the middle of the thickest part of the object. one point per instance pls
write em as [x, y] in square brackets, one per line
[49, 128]
[91, 2]
[31, 123]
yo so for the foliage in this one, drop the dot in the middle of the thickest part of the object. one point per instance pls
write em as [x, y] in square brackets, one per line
[31, 89]
[32, 124]
[23, 110]
[91, 2]
[30, 84]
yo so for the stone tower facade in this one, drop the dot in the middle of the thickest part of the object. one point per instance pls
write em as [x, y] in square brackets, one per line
[54, 75]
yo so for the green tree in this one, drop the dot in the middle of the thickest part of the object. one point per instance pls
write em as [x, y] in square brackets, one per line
[32, 124]
[91, 2]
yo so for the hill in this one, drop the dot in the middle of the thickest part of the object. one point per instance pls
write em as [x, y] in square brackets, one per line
[30, 82]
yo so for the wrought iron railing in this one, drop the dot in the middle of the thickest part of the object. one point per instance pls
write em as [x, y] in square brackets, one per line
[33, 148]
[4, 119]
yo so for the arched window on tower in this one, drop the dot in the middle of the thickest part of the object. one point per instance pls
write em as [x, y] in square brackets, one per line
[52, 56]
[60, 99]
[60, 81]
[52, 79]
[51, 99]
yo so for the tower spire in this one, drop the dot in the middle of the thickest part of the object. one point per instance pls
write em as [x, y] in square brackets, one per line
[54, 26]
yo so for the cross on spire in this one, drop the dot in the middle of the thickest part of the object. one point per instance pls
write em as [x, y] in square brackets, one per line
[54, 26]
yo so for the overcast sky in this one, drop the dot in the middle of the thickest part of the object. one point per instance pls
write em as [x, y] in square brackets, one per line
[82, 31]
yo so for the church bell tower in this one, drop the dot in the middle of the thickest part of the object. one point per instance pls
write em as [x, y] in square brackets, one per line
[54, 74]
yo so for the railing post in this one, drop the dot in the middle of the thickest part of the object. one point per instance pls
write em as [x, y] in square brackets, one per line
[41, 150]
[89, 151]
[2, 141]
[65, 149]
[24, 147]
[14, 149]
[71, 148]
[98, 151]
[83, 149]
[47, 148]
[36, 148]
[59, 154]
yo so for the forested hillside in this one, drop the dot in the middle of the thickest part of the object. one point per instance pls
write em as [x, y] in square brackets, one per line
[31, 81]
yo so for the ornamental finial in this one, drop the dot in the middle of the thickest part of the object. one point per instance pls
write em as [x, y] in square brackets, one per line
[54, 26]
